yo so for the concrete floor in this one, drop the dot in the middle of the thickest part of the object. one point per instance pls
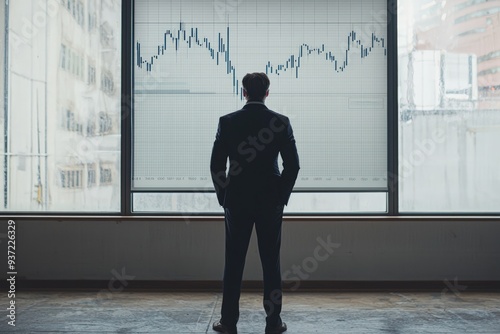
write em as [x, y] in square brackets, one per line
[166, 312]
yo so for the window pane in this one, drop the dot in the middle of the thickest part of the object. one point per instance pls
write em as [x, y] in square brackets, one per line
[449, 94]
[51, 150]
[327, 63]
[300, 203]
[337, 203]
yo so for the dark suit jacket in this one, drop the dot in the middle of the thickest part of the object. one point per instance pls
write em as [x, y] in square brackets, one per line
[252, 138]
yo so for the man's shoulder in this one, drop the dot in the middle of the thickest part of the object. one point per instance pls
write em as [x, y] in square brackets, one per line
[232, 114]
[278, 115]
[264, 111]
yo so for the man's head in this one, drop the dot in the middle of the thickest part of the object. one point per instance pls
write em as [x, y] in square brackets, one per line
[255, 86]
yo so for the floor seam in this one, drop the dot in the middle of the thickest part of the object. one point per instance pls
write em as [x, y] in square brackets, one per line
[212, 314]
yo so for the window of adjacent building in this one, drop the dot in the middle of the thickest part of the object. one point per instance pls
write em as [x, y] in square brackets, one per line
[106, 33]
[80, 13]
[105, 123]
[91, 175]
[105, 174]
[477, 14]
[107, 84]
[72, 61]
[92, 21]
[71, 123]
[91, 74]
[91, 127]
[71, 178]
[63, 56]
[76, 9]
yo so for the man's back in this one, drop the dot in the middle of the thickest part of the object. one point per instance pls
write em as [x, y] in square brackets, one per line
[252, 138]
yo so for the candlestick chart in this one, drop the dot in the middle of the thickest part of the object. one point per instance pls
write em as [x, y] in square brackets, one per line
[327, 63]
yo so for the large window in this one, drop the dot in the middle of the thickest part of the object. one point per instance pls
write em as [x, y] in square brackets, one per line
[59, 152]
[327, 62]
[330, 65]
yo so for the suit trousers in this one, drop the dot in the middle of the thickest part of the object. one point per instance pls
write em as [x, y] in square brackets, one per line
[239, 225]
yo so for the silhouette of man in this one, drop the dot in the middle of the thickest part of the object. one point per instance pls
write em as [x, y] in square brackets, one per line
[253, 191]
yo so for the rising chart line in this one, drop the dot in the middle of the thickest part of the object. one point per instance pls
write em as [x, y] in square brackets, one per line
[221, 50]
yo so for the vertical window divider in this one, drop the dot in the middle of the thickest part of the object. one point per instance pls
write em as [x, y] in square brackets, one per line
[392, 109]
[126, 106]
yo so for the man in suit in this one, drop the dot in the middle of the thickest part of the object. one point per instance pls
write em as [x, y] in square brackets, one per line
[253, 191]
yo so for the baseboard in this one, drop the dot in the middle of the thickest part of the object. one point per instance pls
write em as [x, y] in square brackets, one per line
[293, 286]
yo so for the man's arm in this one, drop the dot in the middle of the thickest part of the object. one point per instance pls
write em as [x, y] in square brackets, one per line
[218, 163]
[290, 164]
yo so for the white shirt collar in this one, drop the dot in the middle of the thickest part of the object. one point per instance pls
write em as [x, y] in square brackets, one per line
[255, 102]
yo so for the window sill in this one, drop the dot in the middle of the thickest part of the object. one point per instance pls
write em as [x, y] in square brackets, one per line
[343, 217]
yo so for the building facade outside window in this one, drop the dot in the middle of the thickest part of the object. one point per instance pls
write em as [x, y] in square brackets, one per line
[50, 122]
[449, 105]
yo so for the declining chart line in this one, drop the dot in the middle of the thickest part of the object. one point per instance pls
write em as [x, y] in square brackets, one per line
[220, 52]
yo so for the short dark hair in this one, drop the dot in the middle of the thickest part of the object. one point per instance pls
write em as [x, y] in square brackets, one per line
[256, 84]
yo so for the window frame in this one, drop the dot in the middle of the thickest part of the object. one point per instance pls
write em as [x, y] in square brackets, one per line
[392, 127]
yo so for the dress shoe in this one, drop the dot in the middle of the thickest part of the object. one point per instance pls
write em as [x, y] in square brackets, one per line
[218, 327]
[276, 330]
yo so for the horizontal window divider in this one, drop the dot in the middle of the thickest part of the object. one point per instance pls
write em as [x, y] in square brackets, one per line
[306, 190]
[171, 191]
[220, 217]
